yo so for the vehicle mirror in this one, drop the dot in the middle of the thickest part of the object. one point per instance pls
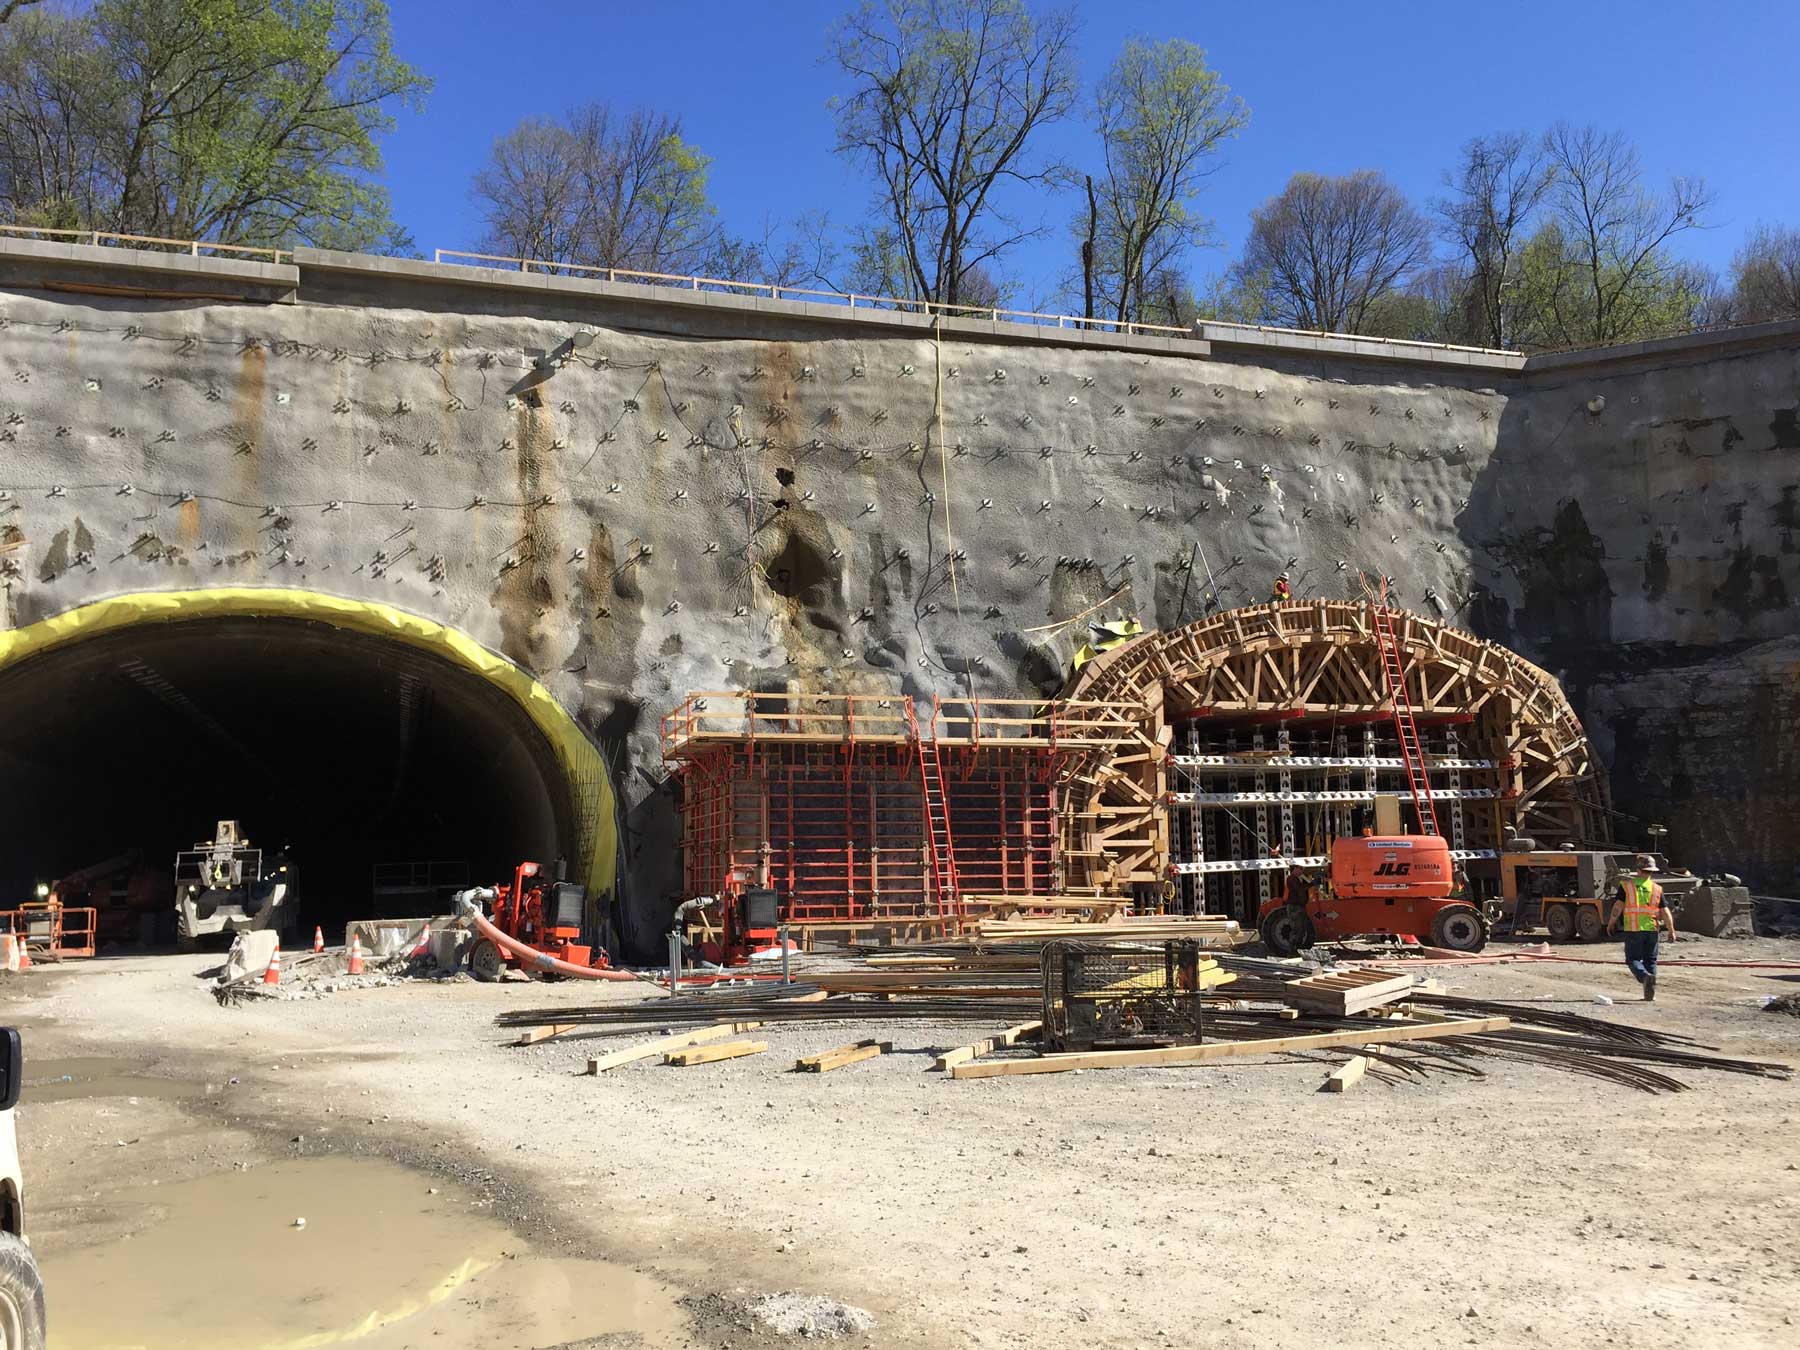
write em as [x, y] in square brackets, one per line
[12, 1067]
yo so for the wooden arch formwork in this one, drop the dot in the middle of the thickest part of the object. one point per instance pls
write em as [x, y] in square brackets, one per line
[1274, 731]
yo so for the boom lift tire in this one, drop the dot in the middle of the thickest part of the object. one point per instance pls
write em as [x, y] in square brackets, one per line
[484, 961]
[1587, 923]
[1459, 928]
[1287, 930]
[1559, 922]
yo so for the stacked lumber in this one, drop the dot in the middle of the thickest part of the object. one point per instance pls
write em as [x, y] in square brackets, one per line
[1096, 907]
[1132, 928]
[1345, 993]
[966, 983]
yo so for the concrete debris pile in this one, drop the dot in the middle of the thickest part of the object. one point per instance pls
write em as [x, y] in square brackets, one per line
[257, 970]
[809, 1315]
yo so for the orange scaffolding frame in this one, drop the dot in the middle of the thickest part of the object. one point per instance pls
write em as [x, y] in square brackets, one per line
[828, 799]
[50, 930]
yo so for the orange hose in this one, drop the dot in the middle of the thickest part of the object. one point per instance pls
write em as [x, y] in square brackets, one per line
[530, 958]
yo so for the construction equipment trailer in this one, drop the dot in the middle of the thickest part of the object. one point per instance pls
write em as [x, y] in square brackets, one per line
[1567, 893]
[224, 886]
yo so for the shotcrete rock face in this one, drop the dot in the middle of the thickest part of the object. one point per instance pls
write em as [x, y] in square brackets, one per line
[721, 494]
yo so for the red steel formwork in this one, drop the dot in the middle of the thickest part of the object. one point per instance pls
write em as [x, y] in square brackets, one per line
[847, 807]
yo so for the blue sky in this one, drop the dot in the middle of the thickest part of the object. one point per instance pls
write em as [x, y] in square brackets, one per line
[1706, 89]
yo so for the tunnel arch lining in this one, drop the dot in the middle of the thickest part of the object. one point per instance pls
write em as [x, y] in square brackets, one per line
[576, 757]
[1266, 665]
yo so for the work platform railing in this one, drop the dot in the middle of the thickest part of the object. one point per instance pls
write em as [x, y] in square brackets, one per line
[194, 248]
[721, 716]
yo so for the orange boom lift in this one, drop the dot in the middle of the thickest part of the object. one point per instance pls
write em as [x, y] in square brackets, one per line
[1388, 882]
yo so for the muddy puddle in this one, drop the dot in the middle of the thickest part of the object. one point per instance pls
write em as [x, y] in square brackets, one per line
[388, 1258]
[61, 1080]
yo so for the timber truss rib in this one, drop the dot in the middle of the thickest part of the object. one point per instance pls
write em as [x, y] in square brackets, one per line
[1269, 719]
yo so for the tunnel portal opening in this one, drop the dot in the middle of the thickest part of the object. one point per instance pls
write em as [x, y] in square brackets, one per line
[364, 757]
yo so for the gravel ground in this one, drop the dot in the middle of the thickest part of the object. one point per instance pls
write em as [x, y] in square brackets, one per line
[1231, 1206]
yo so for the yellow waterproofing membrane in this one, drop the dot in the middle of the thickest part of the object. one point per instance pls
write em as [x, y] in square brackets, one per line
[576, 755]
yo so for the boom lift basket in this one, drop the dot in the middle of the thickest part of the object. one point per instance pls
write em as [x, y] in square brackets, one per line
[1109, 995]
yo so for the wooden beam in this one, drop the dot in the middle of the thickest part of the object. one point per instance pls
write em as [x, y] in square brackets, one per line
[1348, 1074]
[708, 1054]
[532, 1035]
[677, 1041]
[844, 1054]
[964, 1053]
[1203, 1054]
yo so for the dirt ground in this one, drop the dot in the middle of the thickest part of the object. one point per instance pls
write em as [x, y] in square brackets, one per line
[1210, 1206]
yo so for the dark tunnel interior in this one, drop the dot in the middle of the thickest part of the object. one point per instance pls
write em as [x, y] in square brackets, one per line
[355, 753]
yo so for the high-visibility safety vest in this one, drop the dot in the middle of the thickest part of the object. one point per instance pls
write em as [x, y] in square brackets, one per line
[1643, 898]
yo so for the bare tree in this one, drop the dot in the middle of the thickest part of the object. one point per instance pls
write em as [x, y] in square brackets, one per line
[600, 188]
[946, 97]
[1498, 190]
[1615, 234]
[1325, 251]
[1765, 275]
[54, 95]
[12, 7]
[1162, 114]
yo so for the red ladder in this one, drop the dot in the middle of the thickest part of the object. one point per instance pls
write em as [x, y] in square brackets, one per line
[939, 848]
[1417, 778]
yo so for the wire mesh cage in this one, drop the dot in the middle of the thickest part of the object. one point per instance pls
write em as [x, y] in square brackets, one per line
[1101, 995]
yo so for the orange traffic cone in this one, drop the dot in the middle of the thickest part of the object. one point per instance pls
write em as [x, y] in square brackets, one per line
[318, 939]
[273, 974]
[24, 954]
[356, 957]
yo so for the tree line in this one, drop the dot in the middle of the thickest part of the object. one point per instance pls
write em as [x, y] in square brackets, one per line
[259, 122]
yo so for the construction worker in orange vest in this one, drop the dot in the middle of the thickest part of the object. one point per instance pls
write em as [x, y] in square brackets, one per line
[1640, 905]
[1282, 590]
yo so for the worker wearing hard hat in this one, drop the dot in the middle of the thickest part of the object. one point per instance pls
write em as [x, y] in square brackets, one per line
[1282, 590]
[1640, 906]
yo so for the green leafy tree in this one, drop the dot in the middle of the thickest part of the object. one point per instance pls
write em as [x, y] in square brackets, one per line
[1162, 114]
[242, 121]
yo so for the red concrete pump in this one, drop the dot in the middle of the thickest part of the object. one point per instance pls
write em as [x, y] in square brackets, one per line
[543, 913]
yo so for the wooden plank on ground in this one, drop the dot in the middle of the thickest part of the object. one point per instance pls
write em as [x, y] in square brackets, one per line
[964, 1053]
[844, 1054]
[532, 1035]
[1203, 1054]
[663, 1044]
[708, 1054]
[1348, 1074]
